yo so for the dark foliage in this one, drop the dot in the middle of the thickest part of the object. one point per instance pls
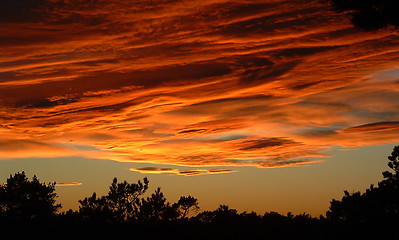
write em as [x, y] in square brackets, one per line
[377, 208]
[156, 208]
[369, 15]
[119, 205]
[25, 200]
[125, 213]
[185, 205]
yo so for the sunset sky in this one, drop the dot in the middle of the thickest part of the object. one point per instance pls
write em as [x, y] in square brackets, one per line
[273, 105]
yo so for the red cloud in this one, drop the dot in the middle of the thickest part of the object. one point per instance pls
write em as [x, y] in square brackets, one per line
[205, 83]
[68, 184]
[373, 127]
[192, 172]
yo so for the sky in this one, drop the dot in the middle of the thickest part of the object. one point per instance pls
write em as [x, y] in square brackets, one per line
[273, 105]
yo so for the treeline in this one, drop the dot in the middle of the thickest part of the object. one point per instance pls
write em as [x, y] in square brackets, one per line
[28, 208]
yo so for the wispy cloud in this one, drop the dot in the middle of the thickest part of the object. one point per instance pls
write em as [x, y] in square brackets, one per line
[68, 184]
[192, 83]
[17, 148]
[191, 172]
[373, 127]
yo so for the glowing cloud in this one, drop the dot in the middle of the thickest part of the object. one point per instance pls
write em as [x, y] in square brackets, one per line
[192, 172]
[373, 127]
[68, 184]
[192, 83]
[17, 148]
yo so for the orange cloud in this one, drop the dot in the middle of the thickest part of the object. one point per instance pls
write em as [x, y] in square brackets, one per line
[213, 127]
[373, 127]
[194, 83]
[67, 184]
[153, 170]
[194, 172]
[22, 148]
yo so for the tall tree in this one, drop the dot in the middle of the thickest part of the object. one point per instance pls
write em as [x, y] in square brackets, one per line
[120, 204]
[378, 205]
[156, 208]
[22, 199]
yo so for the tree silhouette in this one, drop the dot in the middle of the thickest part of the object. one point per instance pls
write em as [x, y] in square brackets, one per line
[120, 204]
[222, 214]
[185, 205]
[123, 203]
[393, 163]
[387, 192]
[124, 212]
[22, 199]
[377, 206]
[369, 15]
[156, 208]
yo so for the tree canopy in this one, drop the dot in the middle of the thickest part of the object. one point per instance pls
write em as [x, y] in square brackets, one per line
[120, 204]
[125, 203]
[22, 199]
[377, 206]
[125, 210]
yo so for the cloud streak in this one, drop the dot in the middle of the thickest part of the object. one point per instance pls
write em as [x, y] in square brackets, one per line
[192, 83]
[173, 171]
[17, 148]
[68, 184]
[373, 127]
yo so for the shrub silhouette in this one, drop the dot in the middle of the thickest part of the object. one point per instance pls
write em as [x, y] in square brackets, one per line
[222, 214]
[25, 200]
